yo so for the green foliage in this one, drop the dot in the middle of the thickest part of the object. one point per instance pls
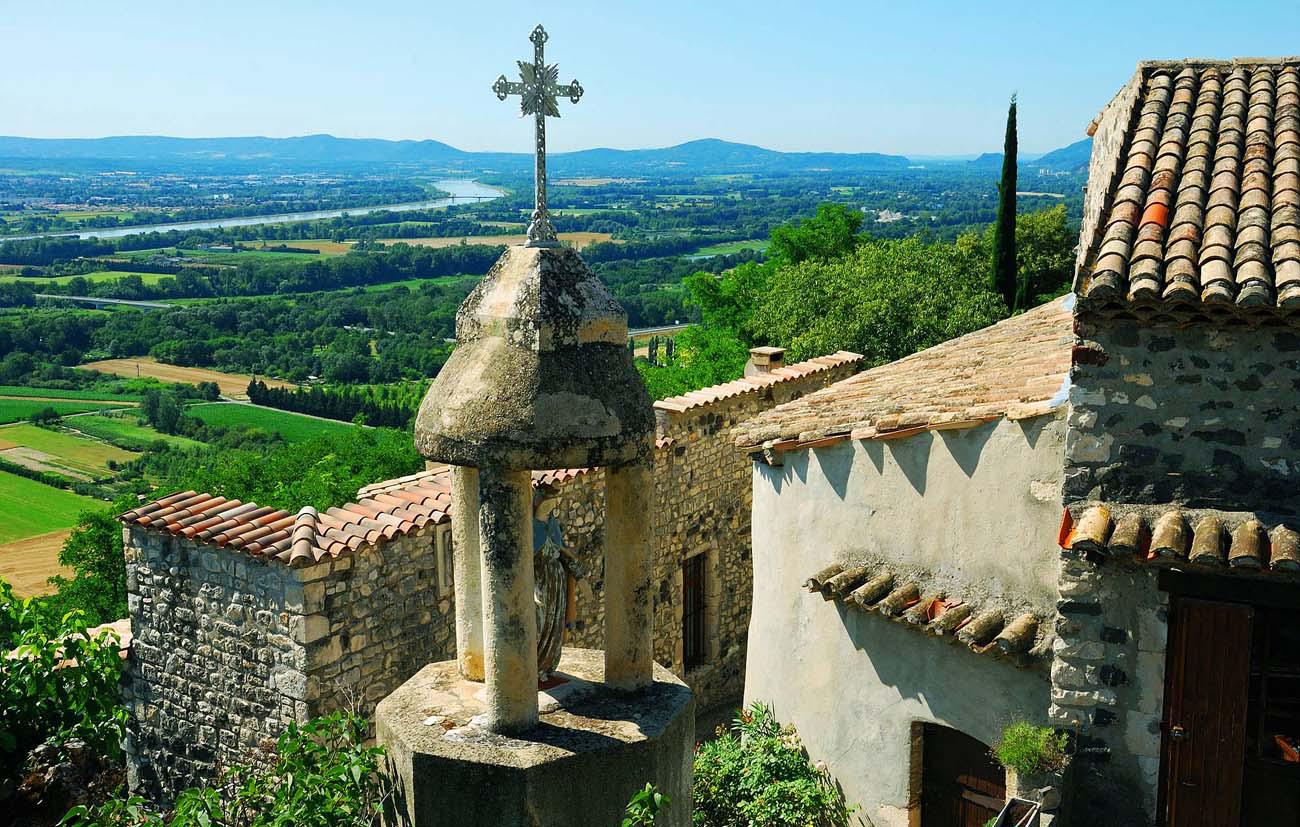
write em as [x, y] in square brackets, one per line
[831, 233]
[644, 807]
[701, 356]
[1044, 254]
[758, 775]
[323, 471]
[1006, 275]
[46, 416]
[1028, 749]
[885, 300]
[728, 300]
[94, 553]
[323, 775]
[57, 683]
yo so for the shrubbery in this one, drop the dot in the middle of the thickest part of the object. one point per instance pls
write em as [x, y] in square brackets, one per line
[1029, 749]
[57, 683]
[322, 775]
[758, 775]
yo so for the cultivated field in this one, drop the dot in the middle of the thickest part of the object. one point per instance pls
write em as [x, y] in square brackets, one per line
[126, 429]
[732, 247]
[95, 277]
[88, 395]
[578, 240]
[59, 452]
[29, 508]
[29, 562]
[17, 410]
[293, 427]
[324, 246]
[234, 385]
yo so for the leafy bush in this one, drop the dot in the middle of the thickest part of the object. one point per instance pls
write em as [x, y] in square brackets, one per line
[57, 683]
[758, 775]
[323, 775]
[644, 807]
[94, 553]
[1028, 749]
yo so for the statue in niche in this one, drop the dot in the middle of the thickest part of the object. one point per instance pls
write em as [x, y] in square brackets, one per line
[556, 572]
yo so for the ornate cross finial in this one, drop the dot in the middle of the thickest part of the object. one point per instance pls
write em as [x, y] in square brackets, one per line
[537, 89]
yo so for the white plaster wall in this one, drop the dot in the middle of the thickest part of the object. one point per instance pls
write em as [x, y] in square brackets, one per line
[977, 510]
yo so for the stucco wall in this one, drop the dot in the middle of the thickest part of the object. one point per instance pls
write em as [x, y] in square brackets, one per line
[976, 511]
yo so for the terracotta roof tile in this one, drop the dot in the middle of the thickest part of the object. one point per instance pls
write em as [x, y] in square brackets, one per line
[1171, 536]
[1022, 638]
[1206, 203]
[1017, 368]
[382, 511]
[751, 384]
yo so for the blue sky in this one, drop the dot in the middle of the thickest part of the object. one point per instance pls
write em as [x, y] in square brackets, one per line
[902, 77]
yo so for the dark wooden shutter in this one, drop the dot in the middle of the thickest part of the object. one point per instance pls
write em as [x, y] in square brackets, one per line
[1207, 682]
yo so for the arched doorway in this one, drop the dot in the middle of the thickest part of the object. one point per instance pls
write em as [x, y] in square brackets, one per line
[960, 785]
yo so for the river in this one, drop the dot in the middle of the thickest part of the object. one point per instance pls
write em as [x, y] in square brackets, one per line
[461, 189]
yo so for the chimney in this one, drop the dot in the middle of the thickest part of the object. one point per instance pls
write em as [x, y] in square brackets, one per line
[764, 360]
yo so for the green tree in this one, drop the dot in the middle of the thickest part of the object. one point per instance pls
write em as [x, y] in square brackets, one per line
[1006, 276]
[831, 233]
[94, 553]
[886, 300]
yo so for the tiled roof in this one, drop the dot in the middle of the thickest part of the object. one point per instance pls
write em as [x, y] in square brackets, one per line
[1212, 540]
[1206, 201]
[750, 384]
[1021, 638]
[1016, 368]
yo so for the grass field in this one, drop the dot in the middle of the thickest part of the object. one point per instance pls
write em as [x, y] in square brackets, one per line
[95, 277]
[91, 395]
[17, 410]
[234, 385]
[29, 508]
[323, 246]
[578, 240]
[730, 247]
[29, 562]
[125, 427]
[291, 426]
[59, 452]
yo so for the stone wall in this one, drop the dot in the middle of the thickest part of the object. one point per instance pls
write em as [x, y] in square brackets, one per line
[702, 504]
[1194, 413]
[1108, 686]
[228, 649]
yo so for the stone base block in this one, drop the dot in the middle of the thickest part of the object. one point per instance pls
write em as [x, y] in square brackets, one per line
[593, 749]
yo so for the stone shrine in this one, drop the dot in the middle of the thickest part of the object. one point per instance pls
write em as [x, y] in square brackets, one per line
[541, 378]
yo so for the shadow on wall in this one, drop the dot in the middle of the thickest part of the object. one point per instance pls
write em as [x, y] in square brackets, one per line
[949, 684]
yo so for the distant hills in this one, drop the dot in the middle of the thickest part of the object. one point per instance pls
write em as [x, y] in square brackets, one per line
[324, 150]
[1069, 158]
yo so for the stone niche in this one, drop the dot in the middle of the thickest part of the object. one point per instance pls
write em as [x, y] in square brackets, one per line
[591, 752]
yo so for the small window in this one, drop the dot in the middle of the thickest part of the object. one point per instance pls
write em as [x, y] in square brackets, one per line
[446, 562]
[694, 649]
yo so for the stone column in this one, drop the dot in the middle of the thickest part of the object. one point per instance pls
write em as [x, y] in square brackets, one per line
[509, 614]
[467, 571]
[629, 570]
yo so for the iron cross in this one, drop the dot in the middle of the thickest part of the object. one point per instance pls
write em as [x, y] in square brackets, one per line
[537, 89]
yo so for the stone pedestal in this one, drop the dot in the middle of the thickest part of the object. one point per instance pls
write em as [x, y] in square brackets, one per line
[593, 748]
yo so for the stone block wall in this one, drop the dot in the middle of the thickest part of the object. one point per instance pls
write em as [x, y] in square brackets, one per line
[702, 502]
[1196, 414]
[228, 649]
[1108, 677]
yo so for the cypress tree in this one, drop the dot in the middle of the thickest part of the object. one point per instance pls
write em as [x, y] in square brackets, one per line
[1006, 278]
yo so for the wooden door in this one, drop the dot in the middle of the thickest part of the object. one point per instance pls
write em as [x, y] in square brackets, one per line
[961, 784]
[1207, 685]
